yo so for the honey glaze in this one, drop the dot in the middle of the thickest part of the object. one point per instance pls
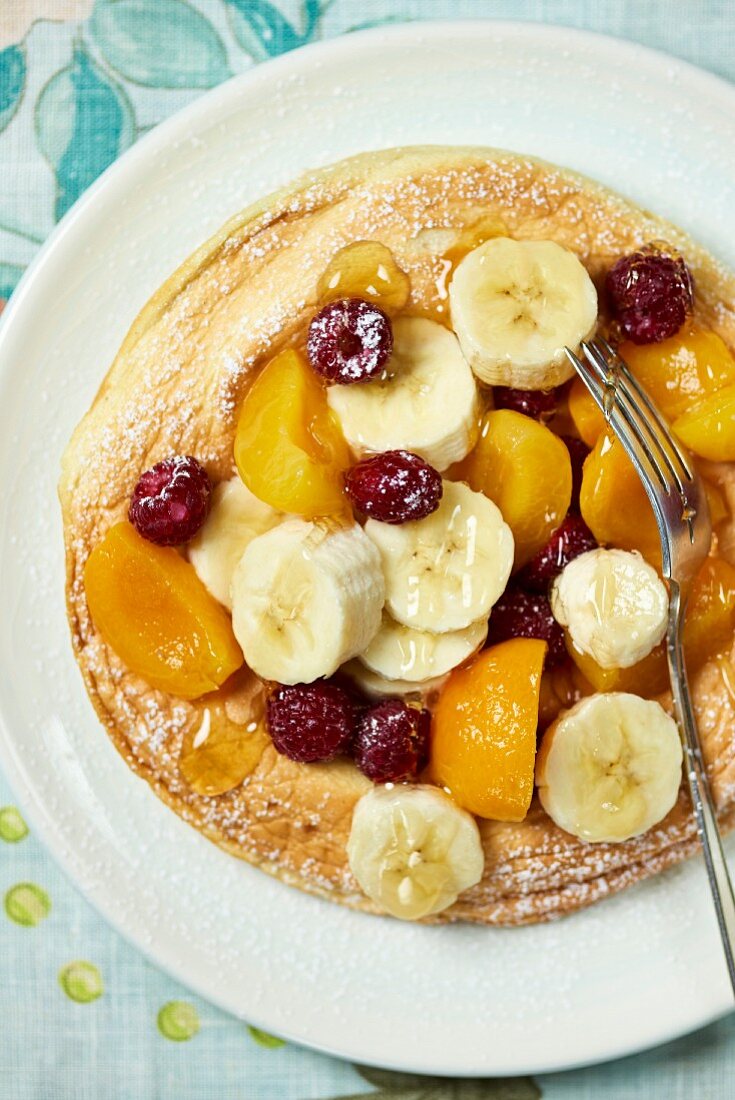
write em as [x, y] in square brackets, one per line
[226, 738]
[368, 270]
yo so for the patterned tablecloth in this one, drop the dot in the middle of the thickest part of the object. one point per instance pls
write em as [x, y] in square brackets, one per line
[82, 1015]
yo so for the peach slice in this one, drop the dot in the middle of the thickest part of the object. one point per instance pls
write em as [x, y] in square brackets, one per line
[682, 371]
[484, 730]
[709, 428]
[154, 612]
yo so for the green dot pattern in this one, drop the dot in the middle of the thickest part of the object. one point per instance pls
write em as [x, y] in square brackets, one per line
[27, 904]
[81, 981]
[264, 1039]
[12, 826]
[178, 1021]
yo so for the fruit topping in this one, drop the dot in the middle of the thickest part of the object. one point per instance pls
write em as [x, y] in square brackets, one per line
[569, 540]
[311, 722]
[520, 614]
[578, 451]
[650, 294]
[681, 372]
[350, 340]
[368, 270]
[400, 652]
[587, 418]
[235, 518]
[708, 430]
[526, 469]
[288, 447]
[154, 612]
[446, 571]
[170, 502]
[516, 305]
[426, 402]
[412, 850]
[392, 742]
[484, 730]
[394, 487]
[610, 768]
[539, 404]
[613, 502]
[305, 599]
[613, 604]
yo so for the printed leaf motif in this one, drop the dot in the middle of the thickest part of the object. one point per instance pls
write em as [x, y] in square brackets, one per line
[10, 827]
[265, 1039]
[83, 122]
[160, 43]
[410, 1086]
[12, 82]
[262, 31]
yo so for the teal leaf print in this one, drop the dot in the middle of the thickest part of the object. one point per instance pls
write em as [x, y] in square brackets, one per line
[12, 827]
[83, 122]
[12, 82]
[411, 1086]
[159, 43]
[262, 31]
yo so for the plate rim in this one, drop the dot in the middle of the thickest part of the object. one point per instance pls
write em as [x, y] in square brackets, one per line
[166, 131]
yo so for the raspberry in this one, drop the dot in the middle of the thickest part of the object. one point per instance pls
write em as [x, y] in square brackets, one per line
[311, 722]
[521, 614]
[392, 742]
[651, 294]
[171, 501]
[539, 404]
[394, 487]
[567, 542]
[350, 340]
[578, 451]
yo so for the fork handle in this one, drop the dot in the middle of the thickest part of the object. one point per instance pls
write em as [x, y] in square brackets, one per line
[699, 786]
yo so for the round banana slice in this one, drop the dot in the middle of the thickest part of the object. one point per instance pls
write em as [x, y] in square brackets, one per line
[446, 571]
[235, 518]
[412, 850]
[375, 686]
[515, 305]
[614, 605]
[400, 652]
[305, 599]
[609, 768]
[427, 402]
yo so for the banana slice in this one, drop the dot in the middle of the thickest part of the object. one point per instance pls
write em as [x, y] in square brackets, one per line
[426, 403]
[609, 768]
[399, 652]
[614, 605]
[412, 850]
[305, 599]
[515, 305]
[375, 686]
[235, 518]
[445, 572]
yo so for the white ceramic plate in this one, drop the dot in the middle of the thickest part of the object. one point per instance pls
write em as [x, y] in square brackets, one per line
[632, 971]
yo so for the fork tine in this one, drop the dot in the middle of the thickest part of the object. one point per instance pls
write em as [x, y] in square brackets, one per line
[594, 379]
[631, 415]
[665, 435]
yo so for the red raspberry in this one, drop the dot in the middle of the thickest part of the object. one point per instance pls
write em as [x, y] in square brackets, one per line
[311, 722]
[392, 742]
[539, 404]
[350, 340]
[651, 294]
[569, 540]
[394, 487]
[578, 451]
[521, 614]
[171, 501]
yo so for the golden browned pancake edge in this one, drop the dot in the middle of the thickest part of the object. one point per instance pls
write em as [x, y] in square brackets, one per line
[176, 386]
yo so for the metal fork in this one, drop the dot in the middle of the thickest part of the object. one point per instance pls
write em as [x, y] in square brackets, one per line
[682, 516]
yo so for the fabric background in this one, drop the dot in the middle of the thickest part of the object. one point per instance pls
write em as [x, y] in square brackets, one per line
[82, 1015]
